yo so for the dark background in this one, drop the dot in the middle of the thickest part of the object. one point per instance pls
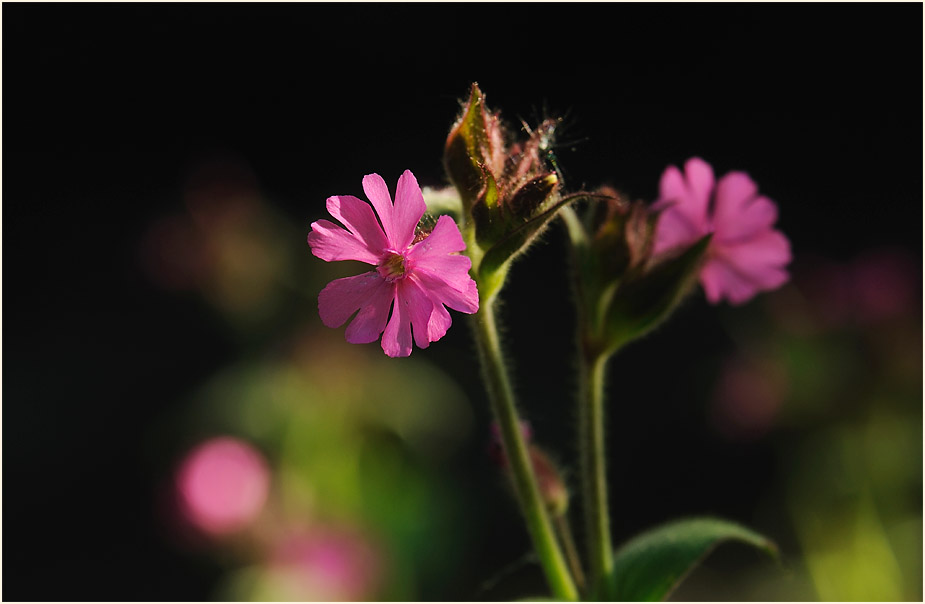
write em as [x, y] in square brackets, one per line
[107, 106]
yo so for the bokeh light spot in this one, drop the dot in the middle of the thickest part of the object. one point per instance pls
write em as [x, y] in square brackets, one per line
[223, 484]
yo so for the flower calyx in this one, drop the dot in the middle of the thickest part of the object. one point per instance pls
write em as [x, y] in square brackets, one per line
[509, 194]
[625, 288]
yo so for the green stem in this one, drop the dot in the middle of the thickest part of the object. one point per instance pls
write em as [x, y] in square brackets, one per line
[531, 502]
[592, 371]
[571, 552]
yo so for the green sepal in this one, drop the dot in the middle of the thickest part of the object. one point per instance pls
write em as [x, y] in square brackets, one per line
[530, 197]
[650, 566]
[646, 297]
[471, 147]
[518, 239]
[624, 239]
[487, 214]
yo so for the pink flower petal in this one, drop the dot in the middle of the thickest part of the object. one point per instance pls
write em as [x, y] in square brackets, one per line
[343, 297]
[741, 271]
[378, 192]
[756, 217]
[429, 319]
[436, 255]
[396, 340]
[700, 182]
[671, 187]
[461, 294]
[331, 242]
[439, 323]
[371, 320]
[409, 207]
[739, 213]
[419, 308]
[684, 201]
[443, 273]
[674, 228]
[720, 280]
[358, 217]
[761, 258]
[452, 269]
[444, 239]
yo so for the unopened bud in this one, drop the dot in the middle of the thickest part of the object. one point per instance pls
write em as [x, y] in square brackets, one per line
[531, 197]
[475, 144]
[548, 477]
[552, 487]
[623, 236]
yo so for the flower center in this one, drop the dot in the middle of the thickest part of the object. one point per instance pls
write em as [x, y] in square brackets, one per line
[392, 266]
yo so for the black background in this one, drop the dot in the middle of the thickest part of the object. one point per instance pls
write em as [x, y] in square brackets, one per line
[107, 106]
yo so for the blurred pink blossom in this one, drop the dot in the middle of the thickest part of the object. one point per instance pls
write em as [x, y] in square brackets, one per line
[415, 276]
[879, 285]
[746, 255]
[748, 398]
[223, 484]
[327, 564]
[885, 284]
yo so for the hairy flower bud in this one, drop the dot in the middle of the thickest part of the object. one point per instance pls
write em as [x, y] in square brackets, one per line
[549, 479]
[474, 147]
[508, 192]
[531, 196]
[552, 487]
[624, 234]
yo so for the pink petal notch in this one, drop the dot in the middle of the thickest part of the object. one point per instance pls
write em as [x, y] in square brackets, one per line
[416, 277]
[746, 254]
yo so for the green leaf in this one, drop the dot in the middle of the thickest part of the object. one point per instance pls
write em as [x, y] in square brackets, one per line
[648, 567]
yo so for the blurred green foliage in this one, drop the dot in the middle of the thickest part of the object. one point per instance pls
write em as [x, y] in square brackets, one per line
[840, 377]
[827, 372]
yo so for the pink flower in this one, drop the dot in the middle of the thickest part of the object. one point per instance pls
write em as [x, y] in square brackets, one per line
[328, 564]
[415, 277]
[223, 484]
[746, 255]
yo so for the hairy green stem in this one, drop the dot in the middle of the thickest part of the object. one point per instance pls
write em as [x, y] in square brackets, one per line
[531, 502]
[592, 369]
[571, 552]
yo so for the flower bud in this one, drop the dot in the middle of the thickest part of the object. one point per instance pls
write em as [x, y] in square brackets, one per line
[552, 488]
[531, 197]
[625, 289]
[508, 192]
[548, 477]
[474, 146]
[623, 236]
